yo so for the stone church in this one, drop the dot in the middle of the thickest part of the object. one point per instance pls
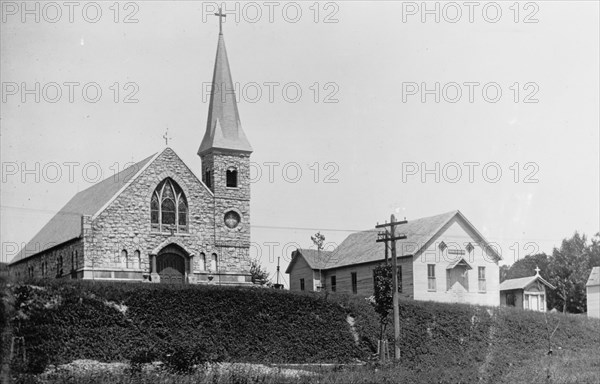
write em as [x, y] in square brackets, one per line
[156, 221]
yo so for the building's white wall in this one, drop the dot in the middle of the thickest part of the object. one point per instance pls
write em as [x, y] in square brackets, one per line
[593, 301]
[456, 235]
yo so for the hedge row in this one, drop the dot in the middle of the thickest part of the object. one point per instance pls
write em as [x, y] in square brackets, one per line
[61, 322]
[182, 326]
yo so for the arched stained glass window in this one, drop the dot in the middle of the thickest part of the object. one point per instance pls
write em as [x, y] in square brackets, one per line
[168, 211]
[168, 208]
[182, 209]
[154, 209]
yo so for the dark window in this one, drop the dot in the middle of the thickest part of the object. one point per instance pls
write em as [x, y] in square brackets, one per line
[208, 178]
[202, 262]
[231, 178]
[431, 277]
[59, 266]
[302, 284]
[72, 260]
[354, 282]
[510, 299]
[333, 284]
[168, 208]
[214, 263]
[137, 257]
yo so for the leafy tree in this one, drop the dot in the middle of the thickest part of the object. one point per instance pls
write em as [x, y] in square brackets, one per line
[382, 300]
[526, 267]
[259, 274]
[504, 272]
[594, 252]
[318, 240]
[570, 267]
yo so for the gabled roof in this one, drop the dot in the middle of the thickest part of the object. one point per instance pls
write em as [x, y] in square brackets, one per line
[361, 247]
[594, 278]
[457, 262]
[314, 259]
[523, 283]
[66, 224]
[223, 126]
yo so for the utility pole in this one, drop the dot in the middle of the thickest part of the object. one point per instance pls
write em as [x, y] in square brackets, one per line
[278, 271]
[384, 237]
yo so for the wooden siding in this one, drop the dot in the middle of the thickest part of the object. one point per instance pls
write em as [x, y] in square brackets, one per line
[456, 236]
[593, 301]
[301, 270]
[364, 277]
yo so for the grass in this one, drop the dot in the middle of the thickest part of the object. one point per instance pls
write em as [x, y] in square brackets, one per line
[581, 366]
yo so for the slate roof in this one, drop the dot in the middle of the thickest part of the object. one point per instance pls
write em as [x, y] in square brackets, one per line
[594, 278]
[360, 247]
[66, 224]
[223, 127]
[523, 282]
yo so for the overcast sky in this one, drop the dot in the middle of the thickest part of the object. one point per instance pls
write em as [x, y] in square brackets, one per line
[522, 165]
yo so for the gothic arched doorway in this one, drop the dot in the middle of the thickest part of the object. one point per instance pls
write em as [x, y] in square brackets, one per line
[171, 265]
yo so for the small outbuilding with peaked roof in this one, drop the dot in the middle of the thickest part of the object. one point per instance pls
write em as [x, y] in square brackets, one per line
[592, 288]
[525, 292]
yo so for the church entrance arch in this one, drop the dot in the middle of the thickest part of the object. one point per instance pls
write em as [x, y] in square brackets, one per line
[171, 265]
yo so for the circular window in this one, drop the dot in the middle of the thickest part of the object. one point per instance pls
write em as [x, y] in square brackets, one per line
[232, 219]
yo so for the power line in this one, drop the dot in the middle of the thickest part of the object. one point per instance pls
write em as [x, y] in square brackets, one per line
[293, 228]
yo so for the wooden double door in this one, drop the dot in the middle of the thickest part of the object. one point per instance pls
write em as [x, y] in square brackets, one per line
[171, 268]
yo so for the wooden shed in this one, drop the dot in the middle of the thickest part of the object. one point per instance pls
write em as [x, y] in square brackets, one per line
[526, 292]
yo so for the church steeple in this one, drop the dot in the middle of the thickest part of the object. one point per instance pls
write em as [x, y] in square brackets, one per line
[223, 128]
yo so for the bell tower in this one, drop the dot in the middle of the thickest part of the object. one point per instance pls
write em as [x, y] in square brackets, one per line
[225, 156]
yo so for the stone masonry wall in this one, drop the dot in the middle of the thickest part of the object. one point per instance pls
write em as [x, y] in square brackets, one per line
[125, 223]
[234, 242]
[47, 264]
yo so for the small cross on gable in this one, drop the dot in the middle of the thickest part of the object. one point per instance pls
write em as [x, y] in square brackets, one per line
[537, 270]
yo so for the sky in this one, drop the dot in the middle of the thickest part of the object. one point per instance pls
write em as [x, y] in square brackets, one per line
[355, 110]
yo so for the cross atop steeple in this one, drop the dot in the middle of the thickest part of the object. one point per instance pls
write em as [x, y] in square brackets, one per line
[537, 270]
[221, 15]
[223, 128]
[167, 137]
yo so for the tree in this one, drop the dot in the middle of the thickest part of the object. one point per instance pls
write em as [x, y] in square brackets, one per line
[594, 252]
[569, 269]
[259, 275]
[526, 267]
[318, 240]
[504, 269]
[383, 302]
